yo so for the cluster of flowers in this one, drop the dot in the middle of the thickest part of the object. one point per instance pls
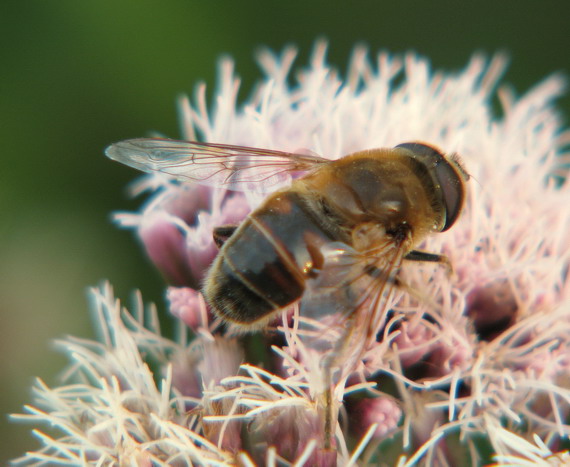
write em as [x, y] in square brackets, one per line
[483, 365]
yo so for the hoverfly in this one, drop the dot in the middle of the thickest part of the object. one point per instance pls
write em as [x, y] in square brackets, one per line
[343, 222]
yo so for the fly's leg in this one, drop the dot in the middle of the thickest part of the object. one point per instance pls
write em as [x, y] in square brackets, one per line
[326, 406]
[332, 373]
[424, 256]
[222, 233]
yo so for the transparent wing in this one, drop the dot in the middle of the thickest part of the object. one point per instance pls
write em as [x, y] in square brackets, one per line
[235, 167]
[346, 305]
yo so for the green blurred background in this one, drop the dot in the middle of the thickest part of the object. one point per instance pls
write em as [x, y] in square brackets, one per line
[78, 75]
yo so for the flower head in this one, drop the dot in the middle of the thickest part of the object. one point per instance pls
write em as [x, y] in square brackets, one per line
[481, 352]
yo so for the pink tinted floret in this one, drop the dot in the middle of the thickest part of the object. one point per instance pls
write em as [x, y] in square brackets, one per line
[188, 305]
[165, 245]
[413, 341]
[221, 358]
[234, 210]
[185, 379]
[383, 411]
[290, 430]
[177, 230]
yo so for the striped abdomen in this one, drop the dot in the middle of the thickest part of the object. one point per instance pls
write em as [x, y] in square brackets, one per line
[264, 264]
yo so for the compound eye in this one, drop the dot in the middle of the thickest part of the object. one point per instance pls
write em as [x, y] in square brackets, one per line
[449, 177]
[453, 189]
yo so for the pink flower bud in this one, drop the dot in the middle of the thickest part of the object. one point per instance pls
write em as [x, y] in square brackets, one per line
[383, 411]
[165, 244]
[188, 305]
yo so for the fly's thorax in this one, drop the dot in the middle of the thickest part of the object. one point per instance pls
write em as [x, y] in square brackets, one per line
[379, 187]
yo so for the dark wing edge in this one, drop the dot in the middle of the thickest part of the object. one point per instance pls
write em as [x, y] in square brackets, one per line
[233, 167]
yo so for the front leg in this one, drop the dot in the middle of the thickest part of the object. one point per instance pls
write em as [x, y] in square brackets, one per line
[417, 255]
